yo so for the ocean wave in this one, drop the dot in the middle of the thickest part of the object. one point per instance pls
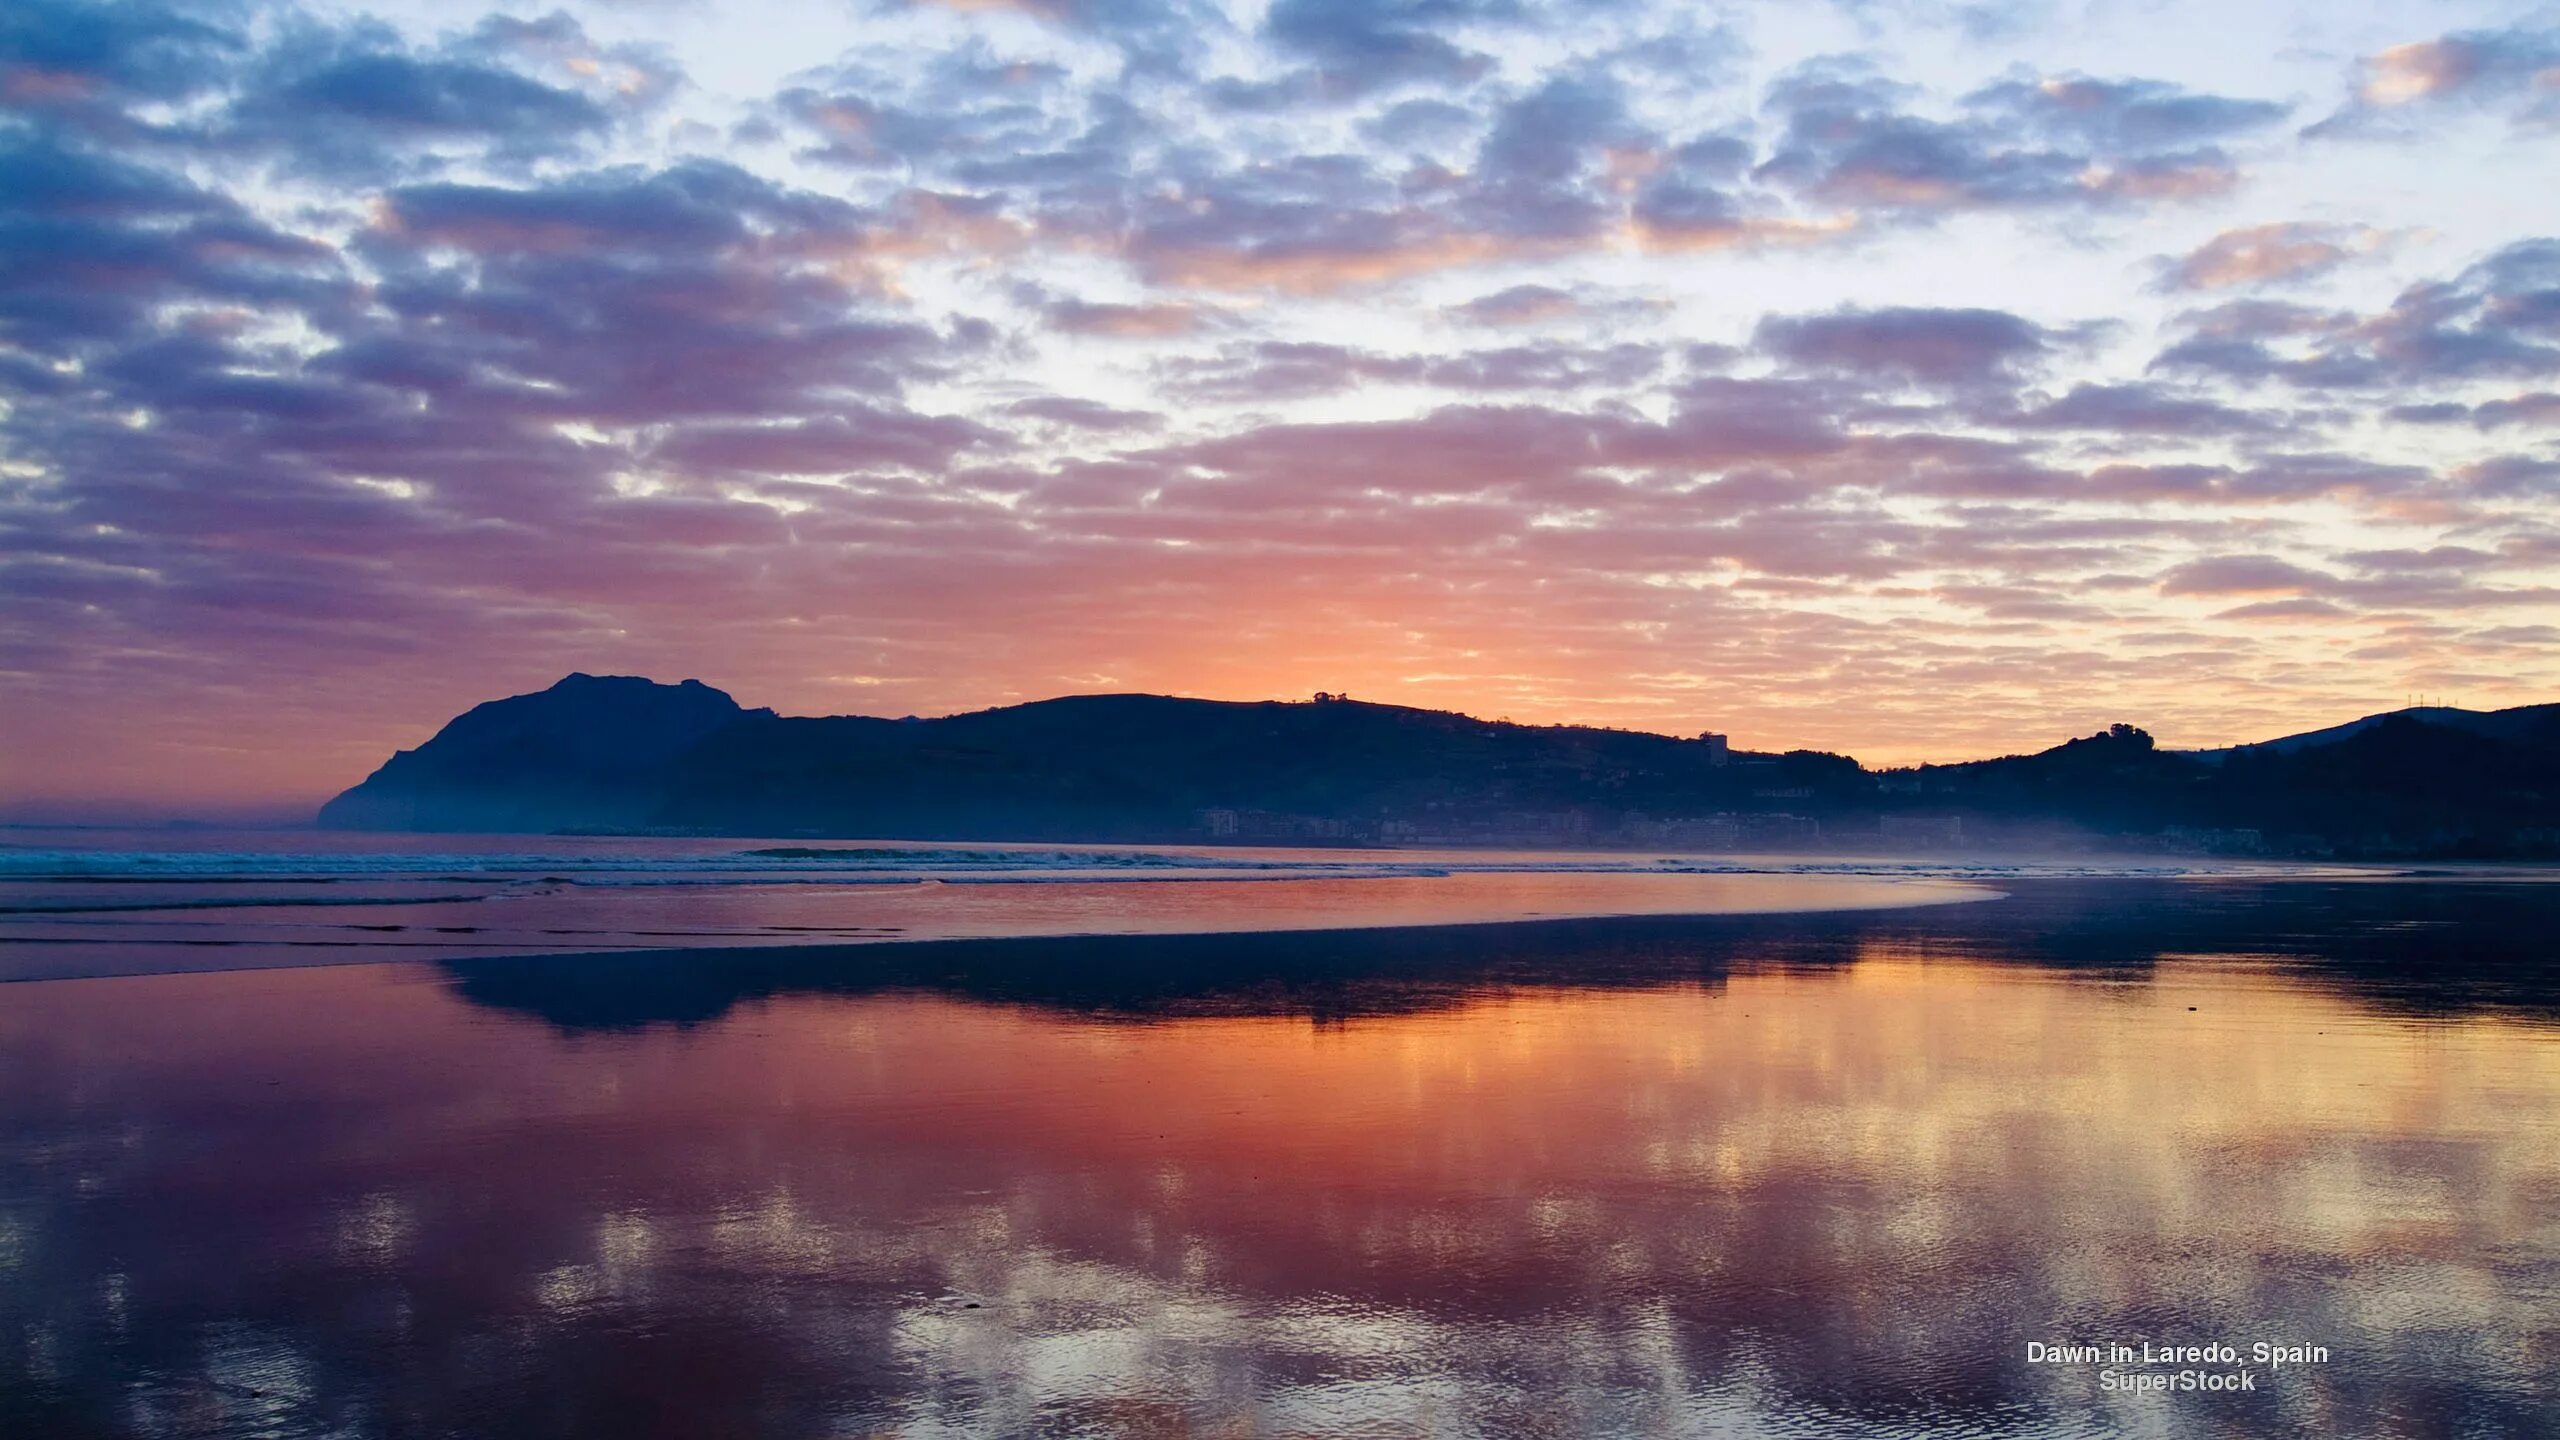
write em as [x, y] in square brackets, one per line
[895, 865]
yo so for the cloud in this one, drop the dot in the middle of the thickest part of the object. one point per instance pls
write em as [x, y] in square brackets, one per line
[94, 247]
[1508, 173]
[1153, 35]
[1561, 169]
[1555, 369]
[1949, 348]
[628, 77]
[1534, 175]
[2242, 575]
[1067, 410]
[1154, 320]
[2301, 608]
[2124, 117]
[236, 434]
[962, 109]
[2541, 407]
[1698, 195]
[1307, 225]
[2513, 71]
[1273, 370]
[2499, 318]
[865, 439]
[87, 67]
[2140, 408]
[1429, 125]
[2513, 476]
[353, 103]
[2270, 255]
[1446, 350]
[1357, 47]
[1453, 450]
[1538, 185]
[1269, 371]
[1719, 421]
[2457, 558]
[1520, 305]
[641, 297]
[1851, 138]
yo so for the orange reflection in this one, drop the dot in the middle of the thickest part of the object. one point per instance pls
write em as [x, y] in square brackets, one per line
[1799, 1198]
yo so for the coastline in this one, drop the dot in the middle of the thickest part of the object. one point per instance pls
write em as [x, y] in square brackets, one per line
[511, 920]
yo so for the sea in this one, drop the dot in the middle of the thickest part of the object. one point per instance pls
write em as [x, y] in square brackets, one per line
[320, 1134]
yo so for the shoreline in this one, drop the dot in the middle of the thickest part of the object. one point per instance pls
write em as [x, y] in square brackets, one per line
[1924, 892]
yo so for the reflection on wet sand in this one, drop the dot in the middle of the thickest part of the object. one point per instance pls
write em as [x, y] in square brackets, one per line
[2422, 947]
[64, 929]
[1759, 1178]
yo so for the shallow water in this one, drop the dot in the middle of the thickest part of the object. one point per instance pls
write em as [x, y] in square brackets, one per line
[103, 902]
[109, 903]
[1775, 1174]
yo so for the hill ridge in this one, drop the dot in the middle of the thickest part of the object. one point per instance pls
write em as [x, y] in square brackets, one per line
[630, 753]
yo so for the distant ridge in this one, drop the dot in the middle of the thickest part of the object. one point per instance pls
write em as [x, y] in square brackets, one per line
[627, 753]
[2516, 723]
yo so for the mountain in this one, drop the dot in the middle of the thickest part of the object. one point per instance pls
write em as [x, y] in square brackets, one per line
[626, 753]
[1145, 766]
[2519, 723]
[590, 751]
[2406, 784]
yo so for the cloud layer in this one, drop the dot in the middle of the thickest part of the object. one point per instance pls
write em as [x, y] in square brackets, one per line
[1599, 363]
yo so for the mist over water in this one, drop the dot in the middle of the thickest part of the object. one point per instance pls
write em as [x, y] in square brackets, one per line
[1795, 1172]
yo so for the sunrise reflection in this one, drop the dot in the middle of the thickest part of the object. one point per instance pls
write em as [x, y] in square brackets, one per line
[1784, 1196]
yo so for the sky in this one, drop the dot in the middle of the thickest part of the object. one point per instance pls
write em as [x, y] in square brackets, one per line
[1916, 379]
